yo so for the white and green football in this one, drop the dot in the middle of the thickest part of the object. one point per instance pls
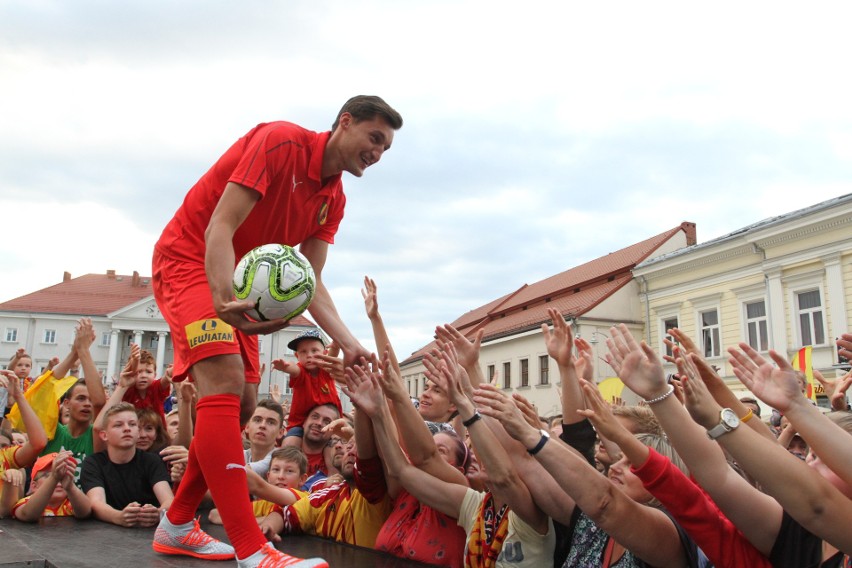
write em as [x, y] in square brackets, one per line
[278, 279]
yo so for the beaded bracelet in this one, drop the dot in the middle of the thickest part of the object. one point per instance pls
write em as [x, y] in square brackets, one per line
[662, 397]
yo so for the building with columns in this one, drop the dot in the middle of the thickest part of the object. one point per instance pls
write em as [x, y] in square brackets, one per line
[123, 311]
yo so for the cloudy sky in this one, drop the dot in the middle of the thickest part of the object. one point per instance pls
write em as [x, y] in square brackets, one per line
[537, 135]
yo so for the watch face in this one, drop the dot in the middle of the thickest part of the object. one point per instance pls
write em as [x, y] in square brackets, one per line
[730, 418]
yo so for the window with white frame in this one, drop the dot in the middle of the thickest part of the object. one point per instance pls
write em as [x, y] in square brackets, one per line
[757, 325]
[666, 324]
[507, 375]
[49, 337]
[106, 339]
[490, 373]
[11, 335]
[543, 370]
[811, 327]
[525, 372]
[710, 333]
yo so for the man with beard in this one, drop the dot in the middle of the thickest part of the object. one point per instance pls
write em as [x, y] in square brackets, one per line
[315, 442]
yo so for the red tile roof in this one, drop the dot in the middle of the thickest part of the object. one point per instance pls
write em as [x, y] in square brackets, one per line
[573, 292]
[92, 295]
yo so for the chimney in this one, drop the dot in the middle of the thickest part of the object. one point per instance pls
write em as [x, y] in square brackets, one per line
[111, 274]
[691, 233]
[66, 276]
[135, 281]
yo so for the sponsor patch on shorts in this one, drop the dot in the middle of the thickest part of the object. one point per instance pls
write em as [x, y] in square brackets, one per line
[206, 331]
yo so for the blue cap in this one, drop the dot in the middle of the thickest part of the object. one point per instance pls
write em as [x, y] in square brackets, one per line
[307, 334]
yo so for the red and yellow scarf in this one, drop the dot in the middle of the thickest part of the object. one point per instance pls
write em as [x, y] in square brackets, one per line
[487, 535]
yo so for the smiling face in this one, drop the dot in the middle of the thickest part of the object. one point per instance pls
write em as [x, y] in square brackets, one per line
[285, 474]
[360, 144]
[147, 436]
[435, 404]
[318, 418]
[621, 476]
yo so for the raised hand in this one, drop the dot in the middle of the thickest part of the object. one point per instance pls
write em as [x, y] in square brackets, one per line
[527, 409]
[391, 382]
[776, 386]
[333, 365]
[838, 398]
[599, 413]
[131, 369]
[467, 351]
[85, 335]
[275, 393]
[493, 402]
[9, 380]
[187, 391]
[455, 377]
[340, 428]
[637, 364]
[362, 386]
[584, 362]
[844, 345]
[560, 341]
[371, 300]
[699, 402]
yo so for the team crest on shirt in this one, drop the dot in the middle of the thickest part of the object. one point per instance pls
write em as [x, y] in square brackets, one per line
[206, 331]
[322, 216]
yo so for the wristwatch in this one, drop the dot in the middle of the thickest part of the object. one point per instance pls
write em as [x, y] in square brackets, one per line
[545, 436]
[728, 420]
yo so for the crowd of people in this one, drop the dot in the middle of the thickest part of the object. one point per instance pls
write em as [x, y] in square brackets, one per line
[468, 474]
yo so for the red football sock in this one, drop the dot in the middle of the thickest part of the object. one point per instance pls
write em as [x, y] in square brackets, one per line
[217, 443]
[190, 492]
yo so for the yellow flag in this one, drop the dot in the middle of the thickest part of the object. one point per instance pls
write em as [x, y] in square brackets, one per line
[611, 389]
[43, 396]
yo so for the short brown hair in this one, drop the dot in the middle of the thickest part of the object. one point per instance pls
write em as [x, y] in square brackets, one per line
[113, 410]
[291, 454]
[146, 358]
[368, 107]
[275, 407]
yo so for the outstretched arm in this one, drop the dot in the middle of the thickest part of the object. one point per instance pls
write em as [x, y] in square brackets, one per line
[778, 387]
[36, 436]
[756, 514]
[82, 344]
[560, 347]
[440, 495]
[380, 334]
[126, 381]
[322, 306]
[645, 531]
[805, 495]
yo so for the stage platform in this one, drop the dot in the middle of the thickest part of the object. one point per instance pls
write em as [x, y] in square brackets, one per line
[69, 543]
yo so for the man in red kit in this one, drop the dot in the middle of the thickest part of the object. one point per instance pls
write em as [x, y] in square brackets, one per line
[282, 184]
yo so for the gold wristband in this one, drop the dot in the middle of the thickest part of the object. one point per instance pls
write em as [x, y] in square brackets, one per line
[749, 415]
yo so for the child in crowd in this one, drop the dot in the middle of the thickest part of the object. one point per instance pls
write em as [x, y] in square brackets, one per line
[52, 491]
[288, 470]
[312, 385]
[15, 457]
[149, 391]
[22, 365]
[126, 486]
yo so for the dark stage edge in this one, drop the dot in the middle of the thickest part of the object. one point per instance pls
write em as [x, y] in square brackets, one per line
[69, 543]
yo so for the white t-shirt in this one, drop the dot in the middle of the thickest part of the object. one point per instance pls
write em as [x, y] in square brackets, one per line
[523, 546]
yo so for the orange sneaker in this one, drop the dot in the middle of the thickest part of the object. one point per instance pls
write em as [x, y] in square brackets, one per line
[171, 539]
[271, 557]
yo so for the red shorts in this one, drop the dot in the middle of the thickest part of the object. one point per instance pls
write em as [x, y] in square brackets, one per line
[184, 298]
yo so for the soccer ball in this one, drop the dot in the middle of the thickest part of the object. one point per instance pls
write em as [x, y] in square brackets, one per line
[278, 279]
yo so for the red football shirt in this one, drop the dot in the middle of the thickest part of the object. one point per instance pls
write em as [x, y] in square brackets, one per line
[283, 163]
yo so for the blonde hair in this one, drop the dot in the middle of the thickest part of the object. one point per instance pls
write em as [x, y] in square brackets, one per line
[662, 446]
[643, 419]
